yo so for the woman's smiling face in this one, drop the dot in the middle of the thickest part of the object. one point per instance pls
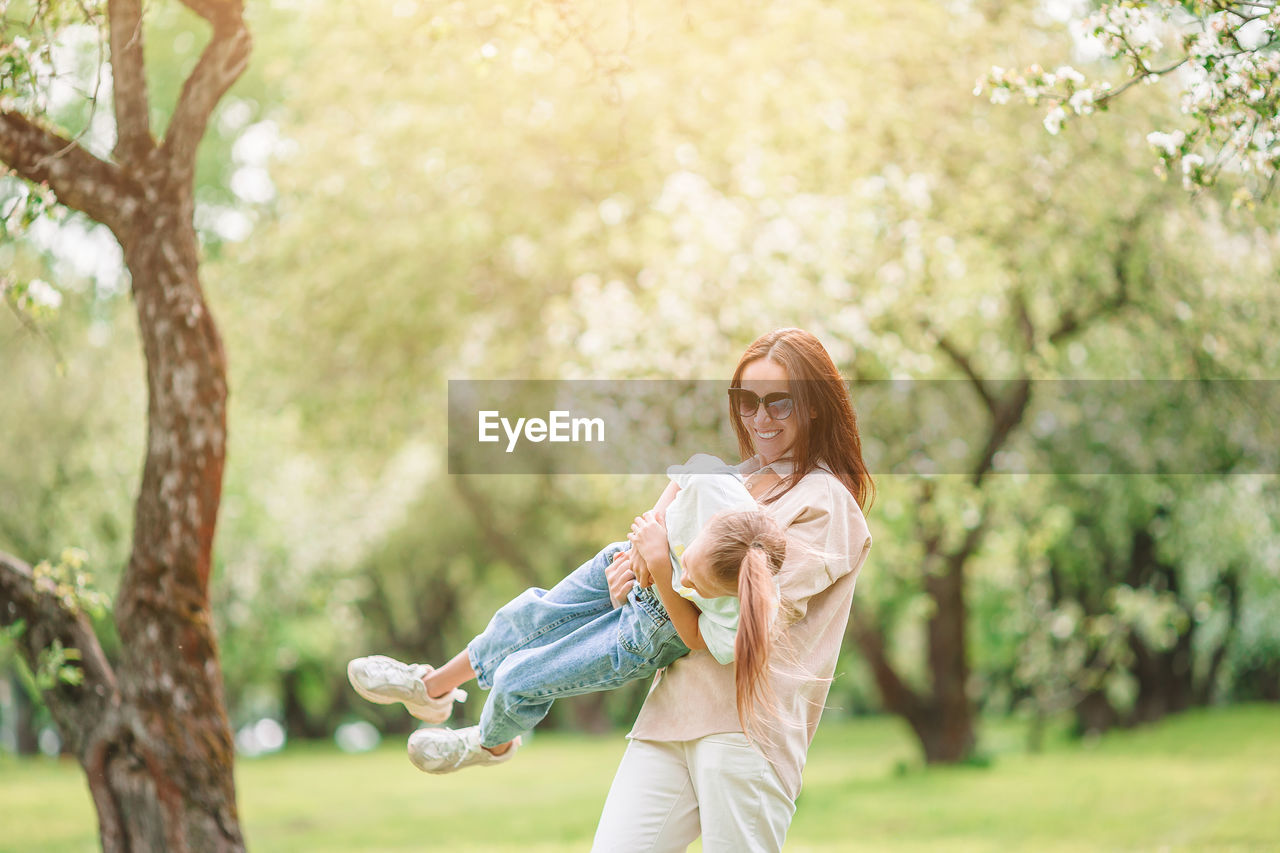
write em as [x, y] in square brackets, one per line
[771, 438]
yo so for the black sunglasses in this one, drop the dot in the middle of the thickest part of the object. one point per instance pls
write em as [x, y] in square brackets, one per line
[778, 403]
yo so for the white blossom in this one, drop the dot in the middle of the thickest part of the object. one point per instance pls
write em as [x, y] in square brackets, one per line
[1069, 74]
[1169, 143]
[1081, 102]
[1053, 121]
[41, 294]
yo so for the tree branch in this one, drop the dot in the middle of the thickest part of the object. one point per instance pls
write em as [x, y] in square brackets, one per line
[1069, 322]
[965, 364]
[898, 697]
[223, 61]
[973, 537]
[129, 81]
[1025, 325]
[99, 189]
[1006, 414]
[78, 708]
[1143, 72]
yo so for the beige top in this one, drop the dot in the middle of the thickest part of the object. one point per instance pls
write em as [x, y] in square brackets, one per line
[827, 543]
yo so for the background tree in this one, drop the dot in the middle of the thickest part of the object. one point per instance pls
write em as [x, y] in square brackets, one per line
[475, 191]
[151, 731]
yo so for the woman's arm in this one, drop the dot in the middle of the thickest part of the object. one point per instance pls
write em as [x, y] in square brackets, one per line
[649, 541]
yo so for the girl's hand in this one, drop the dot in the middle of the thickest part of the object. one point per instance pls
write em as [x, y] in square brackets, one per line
[648, 539]
[621, 578]
[644, 578]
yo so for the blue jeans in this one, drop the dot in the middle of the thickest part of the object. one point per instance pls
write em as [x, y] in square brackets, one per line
[565, 641]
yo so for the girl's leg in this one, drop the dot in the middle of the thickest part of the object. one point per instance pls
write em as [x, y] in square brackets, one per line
[455, 673]
[617, 646]
[651, 807]
[538, 617]
[535, 618]
[620, 645]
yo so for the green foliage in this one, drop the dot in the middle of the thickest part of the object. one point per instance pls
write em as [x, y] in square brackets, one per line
[58, 664]
[70, 582]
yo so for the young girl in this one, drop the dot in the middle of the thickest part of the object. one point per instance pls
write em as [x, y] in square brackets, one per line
[706, 581]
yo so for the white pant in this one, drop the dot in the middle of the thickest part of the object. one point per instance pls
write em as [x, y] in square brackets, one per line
[666, 793]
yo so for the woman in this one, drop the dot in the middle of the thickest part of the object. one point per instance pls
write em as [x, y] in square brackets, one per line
[689, 769]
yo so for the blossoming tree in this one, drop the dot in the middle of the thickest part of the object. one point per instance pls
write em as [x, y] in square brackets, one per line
[1224, 58]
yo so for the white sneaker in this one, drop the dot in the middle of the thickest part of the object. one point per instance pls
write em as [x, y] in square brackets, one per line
[447, 750]
[386, 680]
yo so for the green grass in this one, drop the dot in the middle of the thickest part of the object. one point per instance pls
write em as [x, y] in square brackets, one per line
[1203, 781]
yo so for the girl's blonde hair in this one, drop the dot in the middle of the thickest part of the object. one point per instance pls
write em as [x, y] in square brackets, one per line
[746, 550]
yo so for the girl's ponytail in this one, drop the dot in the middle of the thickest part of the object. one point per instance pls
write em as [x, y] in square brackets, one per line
[751, 648]
[747, 549]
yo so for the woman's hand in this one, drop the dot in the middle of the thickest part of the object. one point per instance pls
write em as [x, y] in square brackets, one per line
[648, 539]
[621, 578]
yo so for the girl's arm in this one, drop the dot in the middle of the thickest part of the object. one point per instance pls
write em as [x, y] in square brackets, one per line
[668, 495]
[649, 540]
[659, 509]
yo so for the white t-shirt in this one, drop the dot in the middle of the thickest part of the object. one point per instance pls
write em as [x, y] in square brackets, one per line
[707, 486]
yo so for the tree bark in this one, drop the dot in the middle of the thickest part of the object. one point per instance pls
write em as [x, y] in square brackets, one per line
[949, 734]
[170, 674]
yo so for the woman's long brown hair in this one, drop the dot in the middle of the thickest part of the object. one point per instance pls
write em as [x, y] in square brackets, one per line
[828, 426]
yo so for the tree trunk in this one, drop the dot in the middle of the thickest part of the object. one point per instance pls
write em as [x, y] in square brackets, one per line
[152, 734]
[1165, 677]
[170, 675]
[1095, 714]
[144, 802]
[26, 738]
[156, 745]
[1229, 585]
[947, 732]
